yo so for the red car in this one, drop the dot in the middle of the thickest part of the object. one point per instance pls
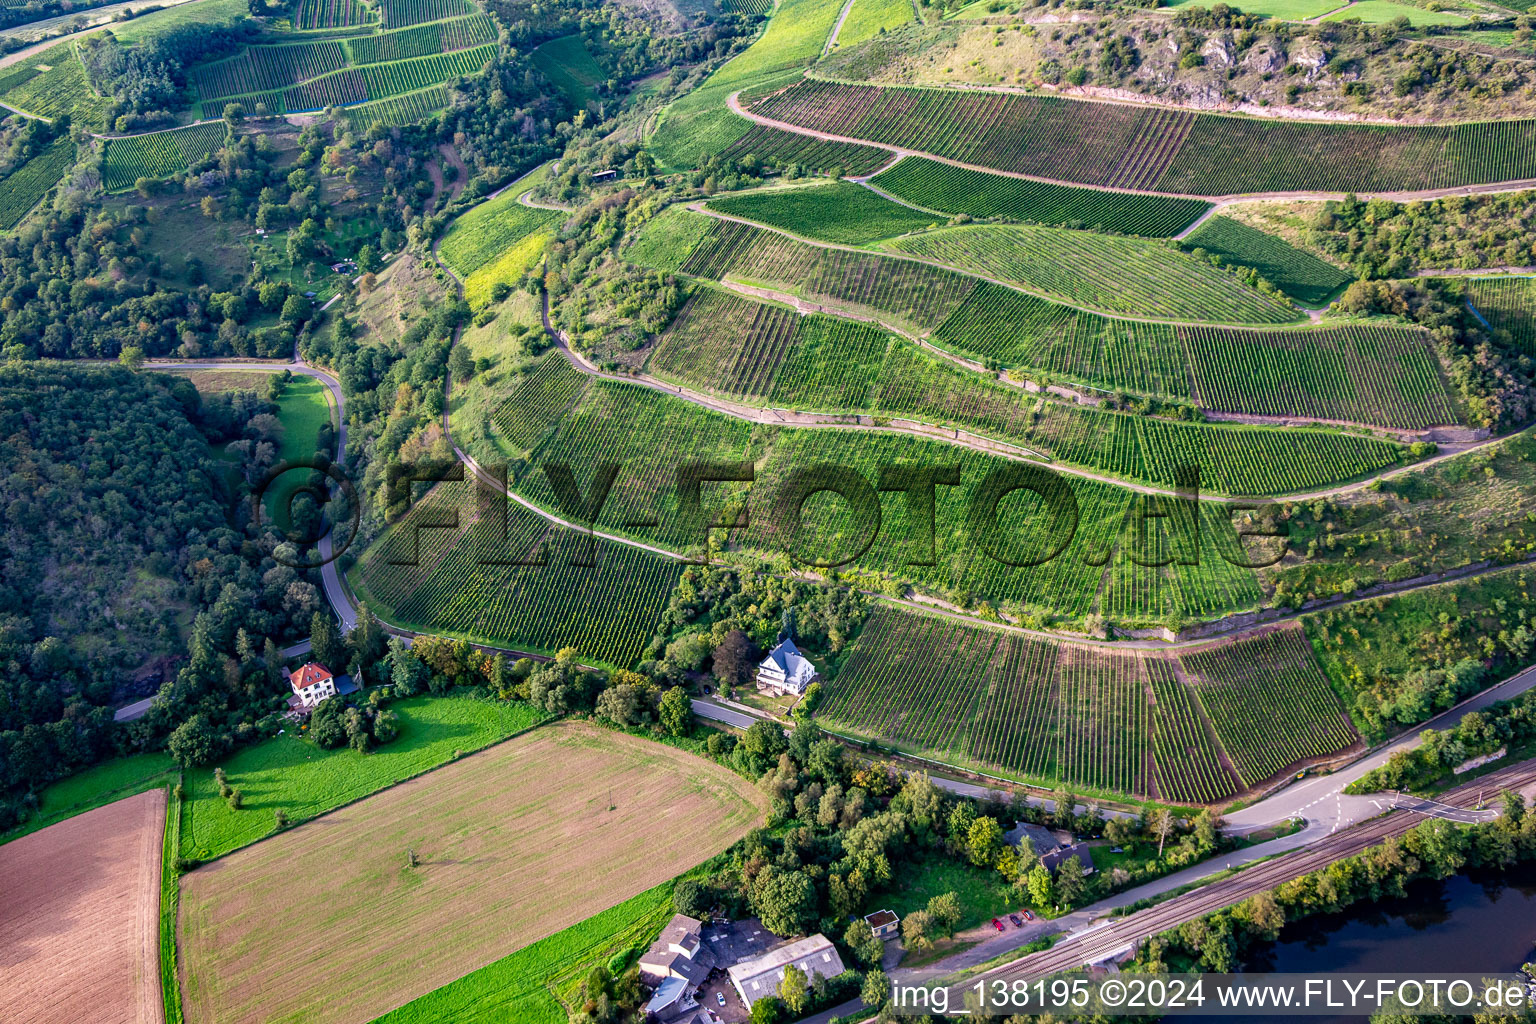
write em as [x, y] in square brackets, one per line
[1028, 916]
[997, 924]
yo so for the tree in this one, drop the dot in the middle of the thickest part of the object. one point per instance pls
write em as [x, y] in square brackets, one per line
[917, 930]
[785, 900]
[1161, 825]
[1042, 891]
[131, 356]
[326, 645]
[867, 947]
[1262, 915]
[234, 113]
[367, 641]
[945, 911]
[280, 818]
[690, 898]
[407, 672]
[795, 990]
[983, 840]
[327, 727]
[296, 308]
[460, 363]
[767, 1010]
[676, 711]
[735, 658]
[876, 989]
[194, 742]
[1070, 882]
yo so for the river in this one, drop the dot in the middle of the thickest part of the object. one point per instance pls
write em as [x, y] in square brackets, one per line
[1480, 921]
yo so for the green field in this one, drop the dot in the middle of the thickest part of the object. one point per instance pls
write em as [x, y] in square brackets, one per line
[486, 232]
[700, 124]
[940, 186]
[1119, 275]
[1377, 12]
[840, 212]
[1507, 304]
[529, 985]
[1299, 274]
[1285, 10]
[107, 782]
[303, 409]
[868, 18]
[294, 775]
[567, 63]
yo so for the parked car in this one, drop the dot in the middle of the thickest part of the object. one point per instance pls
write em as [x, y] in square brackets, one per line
[720, 998]
[997, 924]
[1018, 922]
[1029, 915]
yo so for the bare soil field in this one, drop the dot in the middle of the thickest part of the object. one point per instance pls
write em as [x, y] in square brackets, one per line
[328, 923]
[79, 918]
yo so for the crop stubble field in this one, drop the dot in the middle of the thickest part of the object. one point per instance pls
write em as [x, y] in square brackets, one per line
[513, 844]
[79, 917]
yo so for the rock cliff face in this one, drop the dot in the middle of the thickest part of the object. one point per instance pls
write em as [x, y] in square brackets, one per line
[1326, 71]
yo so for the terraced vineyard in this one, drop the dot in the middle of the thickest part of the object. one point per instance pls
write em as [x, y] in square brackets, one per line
[398, 110]
[1360, 373]
[423, 40]
[725, 344]
[905, 291]
[1062, 713]
[158, 154]
[569, 65]
[1120, 275]
[775, 147]
[1270, 703]
[868, 18]
[838, 212]
[950, 189]
[1508, 304]
[539, 400]
[1156, 149]
[53, 83]
[462, 583]
[414, 62]
[831, 366]
[1299, 274]
[312, 14]
[26, 185]
[398, 13]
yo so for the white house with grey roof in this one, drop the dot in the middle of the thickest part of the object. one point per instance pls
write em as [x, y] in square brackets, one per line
[757, 979]
[785, 671]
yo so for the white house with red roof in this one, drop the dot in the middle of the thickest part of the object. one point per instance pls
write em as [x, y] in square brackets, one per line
[311, 684]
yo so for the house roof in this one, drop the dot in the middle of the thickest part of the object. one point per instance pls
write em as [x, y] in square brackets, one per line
[307, 676]
[881, 918]
[1079, 852]
[787, 660]
[1041, 838]
[761, 977]
[667, 995]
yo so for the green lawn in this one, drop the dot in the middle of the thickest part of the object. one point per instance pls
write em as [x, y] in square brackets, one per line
[566, 62]
[983, 893]
[1286, 10]
[840, 212]
[304, 408]
[103, 784]
[293, 774]
[1377, 12]
[527, 986]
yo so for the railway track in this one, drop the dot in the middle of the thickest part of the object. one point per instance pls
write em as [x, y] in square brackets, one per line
[1103, 941]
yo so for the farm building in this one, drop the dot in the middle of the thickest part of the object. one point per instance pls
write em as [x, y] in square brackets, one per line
[755, 979]
[311, 684]
[675, 965]
[884, 923]
[785, 671]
